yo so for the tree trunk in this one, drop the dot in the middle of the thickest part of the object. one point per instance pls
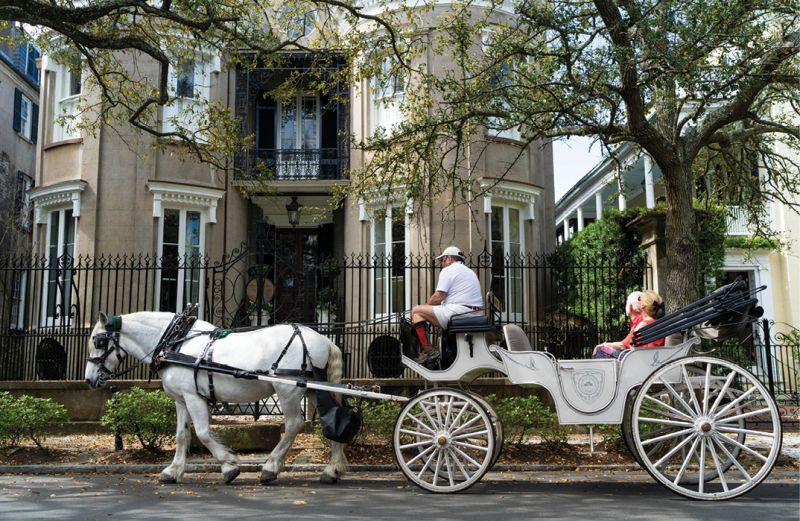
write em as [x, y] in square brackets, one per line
[682, 231]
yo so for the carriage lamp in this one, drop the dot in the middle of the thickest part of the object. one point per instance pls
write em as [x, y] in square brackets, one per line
[293, 211]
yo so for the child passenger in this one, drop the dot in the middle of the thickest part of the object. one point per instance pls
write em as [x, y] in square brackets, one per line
[643, 308]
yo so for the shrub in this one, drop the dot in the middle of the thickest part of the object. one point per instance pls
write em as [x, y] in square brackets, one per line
[612, 436]
[148, 417]
[28, 417]
[524, 415]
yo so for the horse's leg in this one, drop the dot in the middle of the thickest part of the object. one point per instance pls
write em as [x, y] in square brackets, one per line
[290, 399]
[201, 418]
[337, 466]
[183, 437]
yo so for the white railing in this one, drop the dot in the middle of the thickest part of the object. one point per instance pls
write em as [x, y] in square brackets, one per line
[737, 222]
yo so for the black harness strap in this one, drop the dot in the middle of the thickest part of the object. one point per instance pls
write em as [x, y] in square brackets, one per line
[303, 366]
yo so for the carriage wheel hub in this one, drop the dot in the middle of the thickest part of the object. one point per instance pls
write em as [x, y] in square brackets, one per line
[442, 440]
[704, 426]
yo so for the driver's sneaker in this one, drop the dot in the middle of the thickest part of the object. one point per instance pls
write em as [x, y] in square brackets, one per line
[432, 354]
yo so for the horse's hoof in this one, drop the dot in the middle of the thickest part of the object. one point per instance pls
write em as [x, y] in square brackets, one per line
[230, 475]
[267, 476]
[166, 479]
[327, 480]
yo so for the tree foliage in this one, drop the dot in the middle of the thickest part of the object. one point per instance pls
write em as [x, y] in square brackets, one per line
[704, 87]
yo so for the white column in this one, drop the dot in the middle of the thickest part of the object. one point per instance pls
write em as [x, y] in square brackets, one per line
[580, 219]
[621, 200]
[566, 228]
[598, 204]
[649, 194]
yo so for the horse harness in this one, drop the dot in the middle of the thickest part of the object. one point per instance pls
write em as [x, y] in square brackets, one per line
[167, 352]
[108, 343]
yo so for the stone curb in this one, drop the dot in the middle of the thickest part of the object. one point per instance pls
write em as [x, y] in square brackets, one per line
[256, 467]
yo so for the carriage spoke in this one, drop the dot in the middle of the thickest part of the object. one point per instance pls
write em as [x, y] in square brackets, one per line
[667, 436]
[690, 389]
[449, 468]
[470, 434]
[743, 447]
[469, 422]
[727, 428]
[686, 461]
[675, 449]
[427, 463]
[732, 459]
[415, 444]
[417, 433]
[422, 424]
[729, 419]
[679, 399]
[717, 466]
[646, 419]
[424, 406]
[421, 455]
[722, 392]
[702, 461]
[471, 446]
[737, 401]
[466, 456]
[706, 389]
[676, 415]
[461, 466]
[438, 468]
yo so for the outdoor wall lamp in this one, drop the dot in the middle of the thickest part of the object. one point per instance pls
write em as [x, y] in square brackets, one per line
[293, 211]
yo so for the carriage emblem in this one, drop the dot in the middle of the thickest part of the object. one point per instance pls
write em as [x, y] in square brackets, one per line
[588, 383]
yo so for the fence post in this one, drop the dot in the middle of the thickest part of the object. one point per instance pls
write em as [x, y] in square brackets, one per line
[768, 351]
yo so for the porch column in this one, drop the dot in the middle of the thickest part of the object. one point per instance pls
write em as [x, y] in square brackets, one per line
[621, 200]
[580, 219]
[649, 194]
[566, 228]
[598, 205]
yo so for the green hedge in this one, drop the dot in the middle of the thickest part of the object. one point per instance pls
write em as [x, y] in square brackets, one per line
[146, 416]
[28, 417]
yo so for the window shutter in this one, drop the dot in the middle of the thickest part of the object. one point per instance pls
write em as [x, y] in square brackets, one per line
[17, 103]
[34, 122]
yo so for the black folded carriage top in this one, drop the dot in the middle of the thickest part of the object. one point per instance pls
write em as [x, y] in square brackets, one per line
[722, 314]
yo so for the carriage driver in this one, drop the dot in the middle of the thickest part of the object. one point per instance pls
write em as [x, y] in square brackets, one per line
[458, 292]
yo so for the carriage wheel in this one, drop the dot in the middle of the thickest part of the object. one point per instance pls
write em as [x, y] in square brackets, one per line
[499, 436]
[706, 428]
[444, 440]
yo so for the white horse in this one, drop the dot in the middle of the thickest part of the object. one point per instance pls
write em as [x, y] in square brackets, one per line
[251, 351]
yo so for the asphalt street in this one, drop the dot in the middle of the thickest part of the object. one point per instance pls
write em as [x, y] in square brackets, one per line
[386, 495]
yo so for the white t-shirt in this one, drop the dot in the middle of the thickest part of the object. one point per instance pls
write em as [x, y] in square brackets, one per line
[461, 285]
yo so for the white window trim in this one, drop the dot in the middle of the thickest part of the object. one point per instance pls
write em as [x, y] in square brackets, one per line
[179, 107]
[46, 199]
[62, 100]
[182, 255]
[62, 223]
[510, 194]
[383, 104]
[26, 125]
[185, 196]
[367, 212]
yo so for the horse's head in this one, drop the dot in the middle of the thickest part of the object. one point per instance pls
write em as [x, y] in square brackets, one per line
[106, 353]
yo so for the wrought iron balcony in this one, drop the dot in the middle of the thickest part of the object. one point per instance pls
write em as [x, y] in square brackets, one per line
[289, 164]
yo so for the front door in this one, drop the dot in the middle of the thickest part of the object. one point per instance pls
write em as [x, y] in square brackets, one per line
[296, 254]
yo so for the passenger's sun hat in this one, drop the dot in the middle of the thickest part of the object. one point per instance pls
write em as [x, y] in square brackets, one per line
[451, 251]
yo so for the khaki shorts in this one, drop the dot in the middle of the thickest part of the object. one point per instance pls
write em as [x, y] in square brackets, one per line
[444, 312]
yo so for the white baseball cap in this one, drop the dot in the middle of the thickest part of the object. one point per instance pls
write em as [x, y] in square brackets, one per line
[451, 251]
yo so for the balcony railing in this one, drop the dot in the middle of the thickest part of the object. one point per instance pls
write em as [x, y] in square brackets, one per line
[737, 222]
[289, 164]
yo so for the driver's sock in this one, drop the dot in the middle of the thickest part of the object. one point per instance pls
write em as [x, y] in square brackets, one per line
[422, 328]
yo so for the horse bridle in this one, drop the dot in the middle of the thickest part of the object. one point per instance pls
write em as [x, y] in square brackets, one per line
[108, 342]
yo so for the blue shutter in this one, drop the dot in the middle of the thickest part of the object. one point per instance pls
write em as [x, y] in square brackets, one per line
[34, 122]
[17, 105]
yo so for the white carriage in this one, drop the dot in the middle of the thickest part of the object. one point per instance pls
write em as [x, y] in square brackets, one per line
[703, 427]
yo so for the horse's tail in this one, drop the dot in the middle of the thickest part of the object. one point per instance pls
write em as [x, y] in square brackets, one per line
[334, 366]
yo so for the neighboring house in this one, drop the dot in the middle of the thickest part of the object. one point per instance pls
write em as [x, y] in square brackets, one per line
[19, 110]
[19, 115]
[641, 185]
[111, 193]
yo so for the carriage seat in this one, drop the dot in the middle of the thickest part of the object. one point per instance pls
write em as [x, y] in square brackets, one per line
[469, 324]
[516, 339]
